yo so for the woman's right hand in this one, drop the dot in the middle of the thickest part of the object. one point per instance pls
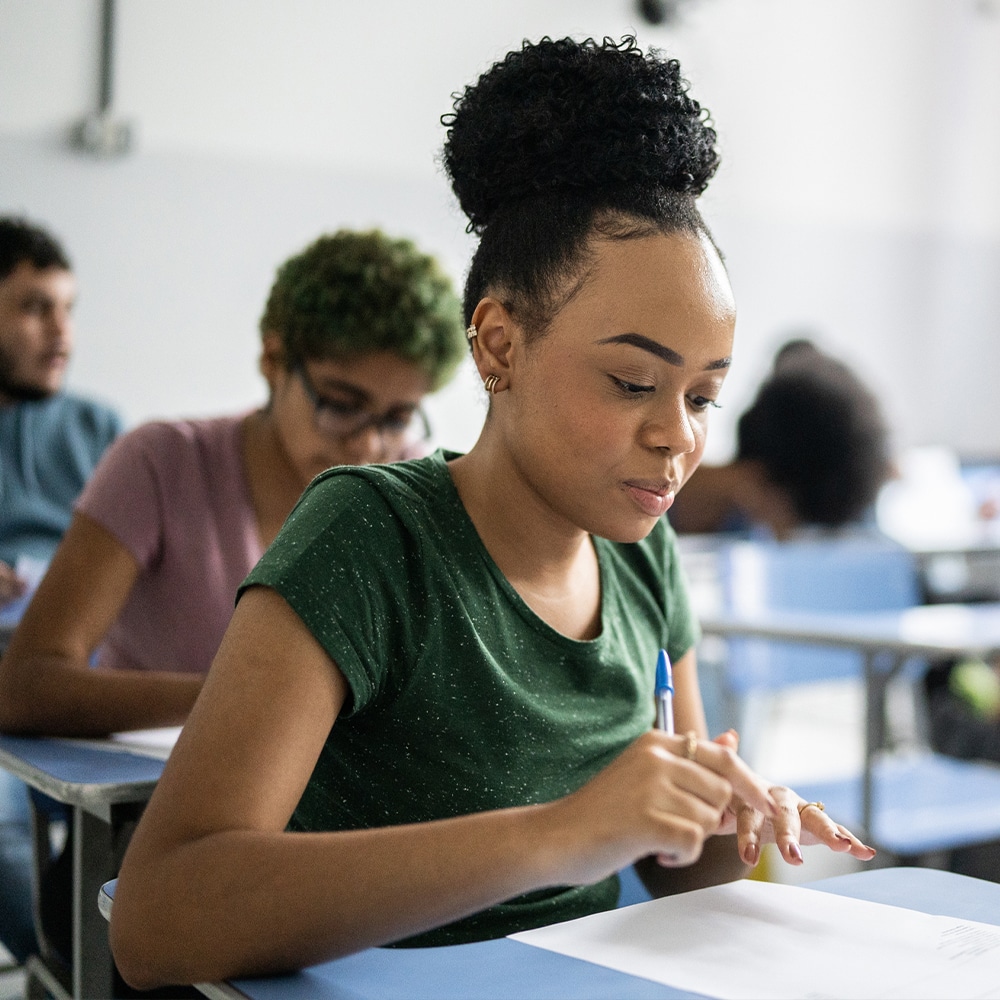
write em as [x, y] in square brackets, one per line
[655, 799]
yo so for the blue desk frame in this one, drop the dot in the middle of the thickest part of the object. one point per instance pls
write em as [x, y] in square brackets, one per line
[509, 970]
[107, 791]
[887, 640]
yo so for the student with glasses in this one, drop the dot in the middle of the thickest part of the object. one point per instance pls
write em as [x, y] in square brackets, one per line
[358, 327]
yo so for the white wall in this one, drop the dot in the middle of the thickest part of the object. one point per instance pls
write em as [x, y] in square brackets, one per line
[857, 196]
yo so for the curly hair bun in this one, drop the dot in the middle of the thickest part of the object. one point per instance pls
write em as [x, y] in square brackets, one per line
[576, 118]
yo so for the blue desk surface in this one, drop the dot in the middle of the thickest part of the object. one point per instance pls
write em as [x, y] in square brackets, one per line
[502, 969]
[77, 774]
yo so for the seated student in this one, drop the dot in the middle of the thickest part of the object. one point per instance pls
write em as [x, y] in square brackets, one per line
[430, 718]
[50, 441]
[812, 451]
[358, 327]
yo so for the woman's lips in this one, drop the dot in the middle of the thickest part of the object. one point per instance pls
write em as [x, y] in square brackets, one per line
[652, 499]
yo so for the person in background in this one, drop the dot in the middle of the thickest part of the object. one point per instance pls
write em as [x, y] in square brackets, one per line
[50, 441]
[813, 451]
[357, 329]
[430, 719]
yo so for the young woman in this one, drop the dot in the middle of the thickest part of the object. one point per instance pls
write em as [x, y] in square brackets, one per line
[430, 718]
[357, 328]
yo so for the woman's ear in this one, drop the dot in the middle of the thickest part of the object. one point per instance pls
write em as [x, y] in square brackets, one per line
[496, 334]
[272, 358]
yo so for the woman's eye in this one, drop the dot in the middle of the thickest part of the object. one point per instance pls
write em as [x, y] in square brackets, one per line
[701, 403]
[630, 388]
[339, 407]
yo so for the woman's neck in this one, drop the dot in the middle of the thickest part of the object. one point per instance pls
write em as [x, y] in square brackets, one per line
[275, 485]
[551, 563]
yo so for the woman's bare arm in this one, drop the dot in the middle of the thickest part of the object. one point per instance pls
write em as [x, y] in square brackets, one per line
[46, 683]
[213, 887]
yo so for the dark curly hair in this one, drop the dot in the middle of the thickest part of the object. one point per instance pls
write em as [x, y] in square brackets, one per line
[819, 434]
[358, 292]
[22, 241]
[562, 140]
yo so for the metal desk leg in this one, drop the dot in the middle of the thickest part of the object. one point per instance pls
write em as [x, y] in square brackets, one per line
[876, 686]
[93, 865]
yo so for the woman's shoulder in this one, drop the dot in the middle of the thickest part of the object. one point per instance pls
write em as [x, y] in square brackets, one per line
[187, 431]
[420, 481]
[167, 441]
[395, 510]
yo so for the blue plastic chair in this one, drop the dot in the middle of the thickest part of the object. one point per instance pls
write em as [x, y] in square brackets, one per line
[908, 801]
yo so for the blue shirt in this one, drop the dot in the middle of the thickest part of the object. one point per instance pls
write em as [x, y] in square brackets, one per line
[48, 449]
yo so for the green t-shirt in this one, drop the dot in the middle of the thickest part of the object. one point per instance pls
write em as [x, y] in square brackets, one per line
[461, 698]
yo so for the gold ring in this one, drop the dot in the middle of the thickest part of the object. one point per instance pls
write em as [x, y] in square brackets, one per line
[690, 744]
[803, 806]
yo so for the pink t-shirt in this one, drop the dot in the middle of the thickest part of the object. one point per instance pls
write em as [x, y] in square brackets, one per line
[175, 494]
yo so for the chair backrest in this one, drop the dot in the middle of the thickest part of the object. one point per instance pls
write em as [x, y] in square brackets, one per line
[851, 574]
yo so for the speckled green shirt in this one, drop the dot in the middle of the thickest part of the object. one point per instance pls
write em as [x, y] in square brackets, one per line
[461, 698]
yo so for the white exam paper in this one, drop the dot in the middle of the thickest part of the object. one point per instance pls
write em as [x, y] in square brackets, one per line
[147, 742]
[750, 940]
[31, 570]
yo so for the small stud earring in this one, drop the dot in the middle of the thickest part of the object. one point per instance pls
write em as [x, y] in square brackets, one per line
[471, 332]
[490, 385]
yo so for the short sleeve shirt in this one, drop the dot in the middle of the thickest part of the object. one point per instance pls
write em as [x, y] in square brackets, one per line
[175, 494]
[48, 450]
[461, 698]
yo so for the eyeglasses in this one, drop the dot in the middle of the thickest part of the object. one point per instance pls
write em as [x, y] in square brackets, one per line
[399, 427]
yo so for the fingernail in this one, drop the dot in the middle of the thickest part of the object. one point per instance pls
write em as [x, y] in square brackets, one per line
[752, 854]
[795, 851]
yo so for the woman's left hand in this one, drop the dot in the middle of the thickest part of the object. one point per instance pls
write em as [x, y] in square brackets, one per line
[797, 823]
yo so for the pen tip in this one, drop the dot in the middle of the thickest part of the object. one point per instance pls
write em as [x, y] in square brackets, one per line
[664, 677]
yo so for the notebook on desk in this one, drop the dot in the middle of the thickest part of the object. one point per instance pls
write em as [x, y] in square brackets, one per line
[148, 742]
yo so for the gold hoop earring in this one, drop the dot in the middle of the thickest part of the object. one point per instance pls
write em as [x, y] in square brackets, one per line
[490, 385]
[471, 332]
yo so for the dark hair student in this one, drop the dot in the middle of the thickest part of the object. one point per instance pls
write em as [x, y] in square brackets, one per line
[812, 451]
[431, 718]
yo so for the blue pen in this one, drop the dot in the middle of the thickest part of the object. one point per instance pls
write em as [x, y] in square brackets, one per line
[664, 693]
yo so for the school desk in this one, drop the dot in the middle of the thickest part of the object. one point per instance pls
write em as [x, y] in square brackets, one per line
[106, 791]
[509, 970]
[940, 802]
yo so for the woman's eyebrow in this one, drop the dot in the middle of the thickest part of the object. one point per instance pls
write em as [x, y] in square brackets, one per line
[660, 350]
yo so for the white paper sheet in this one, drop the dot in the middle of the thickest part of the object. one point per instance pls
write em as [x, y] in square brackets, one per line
[750, 940]
[31, 571]
[148, 742]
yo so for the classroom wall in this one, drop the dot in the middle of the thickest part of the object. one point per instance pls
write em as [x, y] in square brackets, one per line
[857, 196]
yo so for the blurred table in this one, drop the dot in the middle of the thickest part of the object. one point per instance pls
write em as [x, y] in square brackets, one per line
[106, 789]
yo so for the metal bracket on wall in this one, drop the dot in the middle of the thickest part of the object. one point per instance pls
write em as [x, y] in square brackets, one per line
[100, 134]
